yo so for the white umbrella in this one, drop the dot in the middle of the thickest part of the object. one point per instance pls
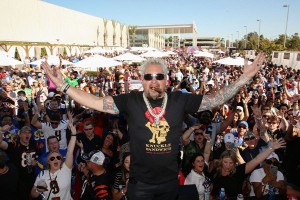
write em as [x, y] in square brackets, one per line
[154, 54]
[129, 57]
[170, 53]
[7, 61]
[96, 50]
[232, 61]
[120, 49]
[204, 54]
[51, 60]
[94, 62]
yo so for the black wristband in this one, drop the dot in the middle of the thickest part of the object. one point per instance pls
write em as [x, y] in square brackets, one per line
[73, 134]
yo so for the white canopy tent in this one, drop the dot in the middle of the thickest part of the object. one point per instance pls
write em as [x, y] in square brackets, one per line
[232, 61]
[204, 54]
[170, 53]
[8, 61]
[129, 57]
[96, 50]
[51, 60]
[97, 61]
[154, 54]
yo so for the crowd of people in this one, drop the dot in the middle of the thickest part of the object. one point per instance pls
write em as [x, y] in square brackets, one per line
[58, 143]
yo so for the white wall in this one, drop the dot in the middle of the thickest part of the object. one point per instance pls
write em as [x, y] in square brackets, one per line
[38, 21]
[291, 62]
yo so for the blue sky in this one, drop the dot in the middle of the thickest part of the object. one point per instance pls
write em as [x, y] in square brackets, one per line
[219, 18]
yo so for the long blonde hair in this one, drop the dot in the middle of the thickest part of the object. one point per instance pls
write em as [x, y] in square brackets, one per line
[226, 154]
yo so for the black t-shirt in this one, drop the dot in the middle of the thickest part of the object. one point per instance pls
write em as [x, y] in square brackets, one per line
[89, 145]
[98, 188]
[9, 184]
[19, 155]
[249, 154]
[154, 148]
[232, 183]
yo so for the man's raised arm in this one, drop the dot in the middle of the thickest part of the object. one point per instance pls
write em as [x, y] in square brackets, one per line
[226, 93]
[103, 104]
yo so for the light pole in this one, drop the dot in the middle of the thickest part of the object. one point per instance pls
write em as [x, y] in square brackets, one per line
[286, 24]
[246, 37]
[258, 39]
[231, 40]
[238, 38]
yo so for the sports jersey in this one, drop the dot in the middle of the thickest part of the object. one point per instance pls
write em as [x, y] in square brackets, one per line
[59, 132]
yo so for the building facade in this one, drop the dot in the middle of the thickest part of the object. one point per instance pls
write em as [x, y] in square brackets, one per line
[29, 25]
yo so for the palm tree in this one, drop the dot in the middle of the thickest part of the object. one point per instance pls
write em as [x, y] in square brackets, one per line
[132, 32]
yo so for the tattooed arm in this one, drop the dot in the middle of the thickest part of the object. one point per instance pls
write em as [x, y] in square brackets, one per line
[102, 104]
[226, 93]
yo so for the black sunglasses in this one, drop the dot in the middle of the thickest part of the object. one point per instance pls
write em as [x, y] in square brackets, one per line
[149, 77]
[250, 138]
[88, 129]
[243, 127]
[54, 122]
[53, 158]
[197, 133]
[269, 162]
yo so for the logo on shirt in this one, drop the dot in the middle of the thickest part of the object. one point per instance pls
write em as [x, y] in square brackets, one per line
[159, 133]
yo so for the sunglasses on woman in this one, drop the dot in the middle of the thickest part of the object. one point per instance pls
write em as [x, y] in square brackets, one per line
[53, 158]
[149, 77]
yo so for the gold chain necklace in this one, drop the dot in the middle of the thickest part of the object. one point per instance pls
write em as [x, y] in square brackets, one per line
[162, 108]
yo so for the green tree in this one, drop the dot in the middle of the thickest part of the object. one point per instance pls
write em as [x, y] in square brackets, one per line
[293, 43]
[132, 32]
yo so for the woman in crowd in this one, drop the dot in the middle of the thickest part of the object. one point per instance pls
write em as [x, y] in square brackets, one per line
[55, 182]
[121, 179]
[231, 177]
[109, 150]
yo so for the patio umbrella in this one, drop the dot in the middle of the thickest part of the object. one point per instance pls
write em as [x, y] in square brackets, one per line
[51, 60]
[154, 54]
[204, 54]
[8, 61]
[170, 53]
[129, 57]
[232, 61]
[96, 50]
[94, 62]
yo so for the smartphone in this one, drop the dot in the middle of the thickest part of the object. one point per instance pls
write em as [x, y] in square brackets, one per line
[274, 170]
[41, 187]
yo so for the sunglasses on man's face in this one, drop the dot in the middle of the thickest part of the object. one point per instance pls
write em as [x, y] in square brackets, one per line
[250, 138]
[53, 158]
[198, 133]
[88, 129]
[243, 127]
[54, 123]
[149, 77]
[269, 162]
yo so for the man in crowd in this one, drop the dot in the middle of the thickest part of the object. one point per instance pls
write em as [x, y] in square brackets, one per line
[154, 121]
[22, 154]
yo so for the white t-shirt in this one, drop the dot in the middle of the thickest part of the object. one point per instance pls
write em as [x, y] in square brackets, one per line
[194, 178]
[63, 178]
[257, 176]
[59, 132]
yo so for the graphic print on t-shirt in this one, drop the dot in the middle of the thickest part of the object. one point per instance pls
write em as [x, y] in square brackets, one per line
[159, 132]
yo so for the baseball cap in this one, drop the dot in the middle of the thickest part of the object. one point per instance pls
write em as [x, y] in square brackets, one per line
[273, 155]
[243, 122]
[57, 95]
[25, 128]
[248, 135]
[240, 108]
[20, 98]
[95, 156]
[229, 137]
[121, 81]
[51, 94]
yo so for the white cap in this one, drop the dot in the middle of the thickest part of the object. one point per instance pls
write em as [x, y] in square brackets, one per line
[273, 155]
[240, 108]
[51, 94]
[229, 137]
[98, 158]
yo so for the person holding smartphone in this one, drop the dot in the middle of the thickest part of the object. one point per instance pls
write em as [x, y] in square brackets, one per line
[261, 179]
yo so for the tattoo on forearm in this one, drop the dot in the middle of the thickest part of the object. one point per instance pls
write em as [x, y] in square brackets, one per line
[109, 105]
[223, 95]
